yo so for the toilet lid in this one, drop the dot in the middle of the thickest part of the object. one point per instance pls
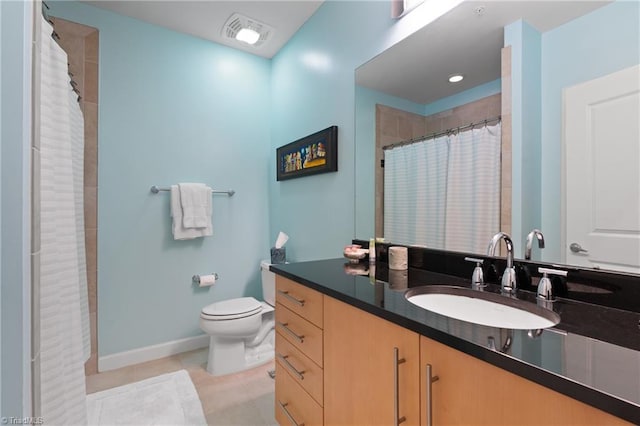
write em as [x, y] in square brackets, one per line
[232, 309]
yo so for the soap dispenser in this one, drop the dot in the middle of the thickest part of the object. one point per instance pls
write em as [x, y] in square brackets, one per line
[477, 278]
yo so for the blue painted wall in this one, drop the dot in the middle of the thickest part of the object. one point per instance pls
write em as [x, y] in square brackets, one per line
[469, 95]
[602, 42]
[365, 136]
[313, 86]
[174, 108]
[543, 65]
[525, 44]
[15, 124]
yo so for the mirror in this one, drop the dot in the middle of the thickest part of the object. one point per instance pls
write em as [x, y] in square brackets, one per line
[411, 76]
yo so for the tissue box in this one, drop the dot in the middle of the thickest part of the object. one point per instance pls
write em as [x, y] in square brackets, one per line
[278, 255]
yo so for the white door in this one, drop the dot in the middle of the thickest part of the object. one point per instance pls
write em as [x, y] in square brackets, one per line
[602, 176]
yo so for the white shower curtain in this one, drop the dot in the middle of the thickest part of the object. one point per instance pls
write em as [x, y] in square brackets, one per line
[444, 193]
[64, 319]
[415, 184]
[473, 189]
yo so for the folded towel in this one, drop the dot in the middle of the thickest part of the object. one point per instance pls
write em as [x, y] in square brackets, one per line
[179, 231]
[195, 199]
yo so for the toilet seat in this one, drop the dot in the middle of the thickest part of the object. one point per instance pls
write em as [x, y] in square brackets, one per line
[231, 309]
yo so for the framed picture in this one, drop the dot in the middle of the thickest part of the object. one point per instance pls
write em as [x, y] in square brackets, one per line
[313, 154]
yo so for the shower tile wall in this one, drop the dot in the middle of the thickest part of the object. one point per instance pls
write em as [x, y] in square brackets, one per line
[80, 42]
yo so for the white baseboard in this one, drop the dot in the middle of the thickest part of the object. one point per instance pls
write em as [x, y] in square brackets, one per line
[149, 353]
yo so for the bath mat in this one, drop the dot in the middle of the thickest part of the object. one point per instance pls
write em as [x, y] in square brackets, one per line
[169, 399]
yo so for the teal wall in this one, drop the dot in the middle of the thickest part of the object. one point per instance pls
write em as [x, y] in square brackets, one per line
[469, 95]
[365, 136]
[313, 87]
[174, 108]
[15, 122]
[525, 44]
[602, 42]
[365, 104]
[543, 65]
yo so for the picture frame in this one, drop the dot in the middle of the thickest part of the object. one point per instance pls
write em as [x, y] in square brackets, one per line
[310, 155]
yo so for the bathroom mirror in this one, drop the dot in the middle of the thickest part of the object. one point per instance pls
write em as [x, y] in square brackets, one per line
[412, 76]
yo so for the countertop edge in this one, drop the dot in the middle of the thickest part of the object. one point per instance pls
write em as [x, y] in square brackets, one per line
[598, 399]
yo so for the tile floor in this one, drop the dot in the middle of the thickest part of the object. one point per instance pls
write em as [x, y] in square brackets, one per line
[241, 399]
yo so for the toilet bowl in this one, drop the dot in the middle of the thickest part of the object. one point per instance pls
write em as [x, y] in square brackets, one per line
[241, 330]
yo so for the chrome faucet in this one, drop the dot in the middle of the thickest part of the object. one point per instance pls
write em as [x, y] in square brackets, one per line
[508, 283]
[538, 235]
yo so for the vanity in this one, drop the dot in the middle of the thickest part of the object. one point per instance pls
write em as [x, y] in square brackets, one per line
[351, 349]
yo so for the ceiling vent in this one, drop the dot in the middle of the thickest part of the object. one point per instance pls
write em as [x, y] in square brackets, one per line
[238, 22]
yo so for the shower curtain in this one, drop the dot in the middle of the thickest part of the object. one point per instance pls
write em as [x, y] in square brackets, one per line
[444, 193]
[64, 314]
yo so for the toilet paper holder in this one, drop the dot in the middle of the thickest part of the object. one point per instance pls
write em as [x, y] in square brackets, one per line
[196, 278]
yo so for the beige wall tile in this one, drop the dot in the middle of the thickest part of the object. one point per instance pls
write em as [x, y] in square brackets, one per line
[90, 207]
[90, 82]
[91, 47]
[90, 237]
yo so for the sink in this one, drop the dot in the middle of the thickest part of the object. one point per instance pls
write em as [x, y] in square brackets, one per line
[480, 307]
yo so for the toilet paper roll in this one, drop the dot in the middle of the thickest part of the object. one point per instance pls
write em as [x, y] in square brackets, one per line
[398, 258]
[205, 280]
[398, 280]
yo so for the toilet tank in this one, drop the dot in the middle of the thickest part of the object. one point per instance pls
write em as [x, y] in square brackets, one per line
[268, 283]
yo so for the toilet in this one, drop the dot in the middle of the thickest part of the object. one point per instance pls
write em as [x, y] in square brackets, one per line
[241, 330]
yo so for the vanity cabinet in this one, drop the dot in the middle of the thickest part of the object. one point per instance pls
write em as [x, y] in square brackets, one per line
[470, 391]
[339, 365]
[299, 354]
[371, 369]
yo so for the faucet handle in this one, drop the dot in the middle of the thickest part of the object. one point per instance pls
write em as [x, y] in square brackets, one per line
[545, 289]
[477, 278]
[550, 271]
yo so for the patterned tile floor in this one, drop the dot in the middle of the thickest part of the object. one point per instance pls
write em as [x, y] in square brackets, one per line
[241, 399]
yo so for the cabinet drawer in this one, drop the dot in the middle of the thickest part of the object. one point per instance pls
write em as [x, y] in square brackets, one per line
[301, 369]
[300, 299]
[305, 336]
[293, 404]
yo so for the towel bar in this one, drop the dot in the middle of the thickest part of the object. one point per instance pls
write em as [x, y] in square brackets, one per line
[155, 189]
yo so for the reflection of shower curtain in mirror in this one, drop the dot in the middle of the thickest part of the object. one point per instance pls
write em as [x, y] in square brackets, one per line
[444, 193]
[63, 314]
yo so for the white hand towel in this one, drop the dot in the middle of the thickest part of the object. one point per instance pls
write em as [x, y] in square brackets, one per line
[195, 199]
[179, 231]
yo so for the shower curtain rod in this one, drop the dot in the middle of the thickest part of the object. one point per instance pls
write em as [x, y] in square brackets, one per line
[436, 134]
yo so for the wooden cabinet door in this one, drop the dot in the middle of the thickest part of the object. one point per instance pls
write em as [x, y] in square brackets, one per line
[360, 369]
[472, 392]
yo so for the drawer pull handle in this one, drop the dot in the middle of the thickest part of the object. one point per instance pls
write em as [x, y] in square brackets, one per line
[430, 379]
[290, 366]
[290, 297]
[396, 387]
[288, 414]
[298, 337]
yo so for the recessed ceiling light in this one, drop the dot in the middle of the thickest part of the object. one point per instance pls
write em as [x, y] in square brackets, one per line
[455, 78]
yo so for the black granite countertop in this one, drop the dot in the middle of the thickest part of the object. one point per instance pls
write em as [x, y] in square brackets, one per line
[592, 355]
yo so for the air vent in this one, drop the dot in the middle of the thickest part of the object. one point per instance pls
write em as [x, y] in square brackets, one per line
[236, 22]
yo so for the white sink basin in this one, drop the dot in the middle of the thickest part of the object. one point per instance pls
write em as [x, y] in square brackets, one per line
[482, 308]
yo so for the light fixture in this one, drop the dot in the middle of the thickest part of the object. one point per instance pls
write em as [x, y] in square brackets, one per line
[455, 78]
[246, 30]
[248, 36]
